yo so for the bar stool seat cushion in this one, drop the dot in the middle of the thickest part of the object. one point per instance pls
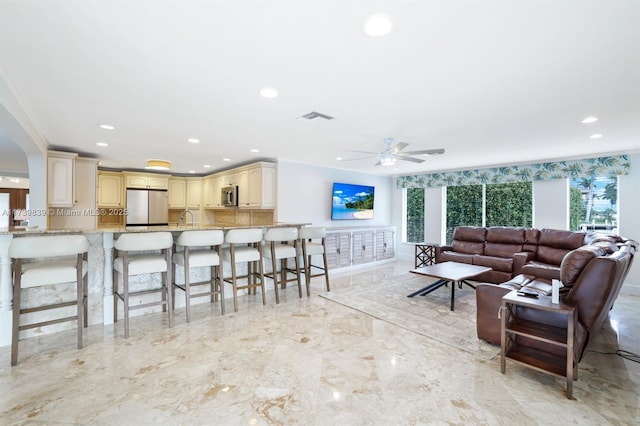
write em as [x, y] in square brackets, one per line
[50, 272]
[243, 254]
[142, 263]
[281, 251]
[198, 258]
[312, 248]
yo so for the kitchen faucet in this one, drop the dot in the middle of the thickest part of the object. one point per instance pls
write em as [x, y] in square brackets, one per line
[183, 216]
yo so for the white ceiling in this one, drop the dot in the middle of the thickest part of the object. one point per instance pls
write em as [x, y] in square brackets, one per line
[492, 82]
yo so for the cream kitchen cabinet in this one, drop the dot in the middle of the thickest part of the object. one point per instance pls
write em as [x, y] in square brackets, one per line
[194, 193]
[177, 193]
[146, 180]
[256, 188]
[81, 215]
[211, 186]
[61, 179]
[110, 192]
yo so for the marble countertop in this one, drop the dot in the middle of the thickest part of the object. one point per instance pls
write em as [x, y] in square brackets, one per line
[126, 229]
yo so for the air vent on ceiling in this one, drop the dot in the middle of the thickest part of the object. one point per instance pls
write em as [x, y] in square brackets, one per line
[315, 114]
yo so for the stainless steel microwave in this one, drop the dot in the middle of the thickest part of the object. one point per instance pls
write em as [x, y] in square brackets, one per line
[229, 196]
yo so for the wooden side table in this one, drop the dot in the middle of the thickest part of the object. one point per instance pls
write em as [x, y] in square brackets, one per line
[512, 327]
[425, 254]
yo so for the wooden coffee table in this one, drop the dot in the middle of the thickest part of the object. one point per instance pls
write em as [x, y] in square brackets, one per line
[448, 272]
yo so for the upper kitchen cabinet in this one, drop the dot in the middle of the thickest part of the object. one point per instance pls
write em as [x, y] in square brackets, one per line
[146, 181]
[194, 192]
[85, 173]
[61, 178]
[257, 186]
[110, 193]
[211, 185]
[177, 193]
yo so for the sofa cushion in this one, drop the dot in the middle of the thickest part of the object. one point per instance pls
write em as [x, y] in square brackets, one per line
[452, 256]
[502, 250]
[542, 270]
[551, 255]
[506, 235]
[575, 261]
[568, 240]
[495, 263]
[531, 237]
[468, 247]
[470, 233]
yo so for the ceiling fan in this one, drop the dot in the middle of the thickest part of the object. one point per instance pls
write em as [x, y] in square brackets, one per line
[393, 152]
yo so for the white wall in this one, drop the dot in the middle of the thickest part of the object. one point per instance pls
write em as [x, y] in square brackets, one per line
[305, 195]
[16, 124]
[550, 204]
[629, 216]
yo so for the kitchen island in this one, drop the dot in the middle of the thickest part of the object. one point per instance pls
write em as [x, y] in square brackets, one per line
[100, 258]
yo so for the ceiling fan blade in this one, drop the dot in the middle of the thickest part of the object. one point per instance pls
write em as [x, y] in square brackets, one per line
[413, 160]
[399, 146]
[425, 152]
[364, 152]
[378, 163]
[359, 158]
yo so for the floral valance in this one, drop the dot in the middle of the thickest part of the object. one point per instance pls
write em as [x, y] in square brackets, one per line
[601, 166]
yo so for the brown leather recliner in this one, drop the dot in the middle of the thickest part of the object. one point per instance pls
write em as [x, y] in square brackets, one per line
[592, 276]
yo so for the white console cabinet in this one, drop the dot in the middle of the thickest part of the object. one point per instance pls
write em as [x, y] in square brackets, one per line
[357, 246]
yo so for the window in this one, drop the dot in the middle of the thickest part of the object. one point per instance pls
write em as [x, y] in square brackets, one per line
[509, 204]
[414, 215]
[593, 203]
[504, 204]
[464, 207]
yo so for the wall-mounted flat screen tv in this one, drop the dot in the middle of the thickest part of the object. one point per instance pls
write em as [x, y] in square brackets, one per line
[352, 201]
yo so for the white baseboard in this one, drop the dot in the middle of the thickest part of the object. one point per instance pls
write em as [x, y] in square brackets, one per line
[351, 268]
[630, 289]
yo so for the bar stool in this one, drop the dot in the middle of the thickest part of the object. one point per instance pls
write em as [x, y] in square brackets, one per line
[311, 248]
[206, 254]
[128, 264]
[245, 246]
[283, 245]
[43, 270]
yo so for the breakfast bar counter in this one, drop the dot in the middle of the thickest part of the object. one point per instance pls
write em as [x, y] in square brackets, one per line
[100, 261]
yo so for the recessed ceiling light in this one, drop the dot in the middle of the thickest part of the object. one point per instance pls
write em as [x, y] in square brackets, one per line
[193, 140]
[377, 25]
[595, 136]
[102, 144]
[192, 171]
[339, 158]
[206, 166]
[226, 159]
[107, 126]
[254, 150]
[269, 92]
[590, 120]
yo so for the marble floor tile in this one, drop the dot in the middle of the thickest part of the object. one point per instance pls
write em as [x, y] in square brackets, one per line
[306, 361]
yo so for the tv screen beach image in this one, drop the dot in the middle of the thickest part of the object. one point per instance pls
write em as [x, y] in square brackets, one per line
[352, 201]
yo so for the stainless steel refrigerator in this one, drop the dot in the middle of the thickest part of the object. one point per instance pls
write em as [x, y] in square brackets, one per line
[147, 207]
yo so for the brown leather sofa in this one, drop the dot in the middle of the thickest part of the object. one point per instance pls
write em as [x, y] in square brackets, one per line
[592, 276]
[510, 251]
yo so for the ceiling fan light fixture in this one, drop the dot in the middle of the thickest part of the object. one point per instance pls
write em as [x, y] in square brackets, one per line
[158, 165]
[377, 25]
[388, 161]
